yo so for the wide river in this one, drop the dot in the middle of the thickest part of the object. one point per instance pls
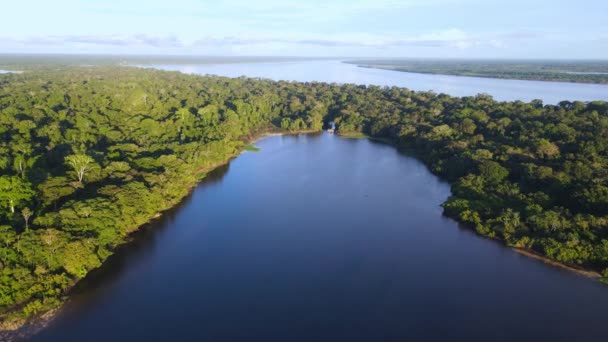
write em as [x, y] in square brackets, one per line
[336, 71]
[322, 238]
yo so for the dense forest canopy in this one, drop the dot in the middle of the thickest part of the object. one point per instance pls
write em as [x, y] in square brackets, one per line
[89, 154]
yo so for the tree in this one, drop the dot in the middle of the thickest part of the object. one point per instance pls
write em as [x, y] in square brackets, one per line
[81, 163]
[53, 189]
[493, 171]
[14, 191]
[467, 126]
[511, 220]
[546, 149]
[532, 175]
[26, 213]
[77, 258]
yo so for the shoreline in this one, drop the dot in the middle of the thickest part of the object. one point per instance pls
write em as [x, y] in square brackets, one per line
[589, 273]
[19, 330]
[23, 329]
[535, 255]
[475, 76]
[259, 137]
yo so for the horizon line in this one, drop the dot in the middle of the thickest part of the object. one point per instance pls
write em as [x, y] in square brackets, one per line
[86, 54]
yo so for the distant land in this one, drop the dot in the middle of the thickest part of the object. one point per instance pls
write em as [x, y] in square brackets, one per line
[31, 61]
[579, 71]
[576, 71]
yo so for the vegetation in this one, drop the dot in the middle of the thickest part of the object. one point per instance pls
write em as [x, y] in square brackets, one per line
[353, 135]
[251, 148]
[36, 61]
[562, 71]
[87, 155]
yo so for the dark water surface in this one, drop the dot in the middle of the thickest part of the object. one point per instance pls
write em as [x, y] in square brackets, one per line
[323, 238]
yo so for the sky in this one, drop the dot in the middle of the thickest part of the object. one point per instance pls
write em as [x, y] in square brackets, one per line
[556, 29]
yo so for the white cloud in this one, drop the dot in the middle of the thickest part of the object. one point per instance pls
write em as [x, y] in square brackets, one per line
[451, 38]
[101, 40]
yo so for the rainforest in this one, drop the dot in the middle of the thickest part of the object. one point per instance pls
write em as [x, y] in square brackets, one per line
[90, 154]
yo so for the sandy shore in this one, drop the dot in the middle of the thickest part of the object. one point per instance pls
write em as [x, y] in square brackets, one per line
[578, 270]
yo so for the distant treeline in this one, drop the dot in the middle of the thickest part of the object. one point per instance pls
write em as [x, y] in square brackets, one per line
[88, 155]
[35, 61]
[561, 71]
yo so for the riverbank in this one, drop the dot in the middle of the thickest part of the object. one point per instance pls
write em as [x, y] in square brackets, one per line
[29, 328]
[581, 271]
[556, 77]
[359, 135]
[258, 137]
[352, 135]
[589, 273]
[32, 326]
[234, 246]
[23, 328]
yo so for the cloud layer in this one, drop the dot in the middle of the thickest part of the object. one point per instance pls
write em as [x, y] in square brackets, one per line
[391, 28]
[451, 38]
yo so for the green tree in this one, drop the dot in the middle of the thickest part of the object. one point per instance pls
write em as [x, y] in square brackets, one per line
[26, 213]
[546, 149]
[14, 191]
[493, 171]
[81, 164]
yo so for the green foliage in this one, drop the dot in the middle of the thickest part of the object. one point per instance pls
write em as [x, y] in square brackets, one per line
[531, 175]
[251, 148]
[14, 191]
[78, 257]
[139, 139]
[493, 171]
[81, 164]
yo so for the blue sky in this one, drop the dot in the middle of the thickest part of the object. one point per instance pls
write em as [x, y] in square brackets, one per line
[374, 28]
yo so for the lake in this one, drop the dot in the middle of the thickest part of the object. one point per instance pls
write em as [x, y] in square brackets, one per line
[322, 238]
[336, 71]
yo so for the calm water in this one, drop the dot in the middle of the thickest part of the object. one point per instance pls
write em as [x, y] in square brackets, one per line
[335, 71]
[320, 238]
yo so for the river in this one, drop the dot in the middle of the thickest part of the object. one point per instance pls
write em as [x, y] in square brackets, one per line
[336, 71]
[322, 238]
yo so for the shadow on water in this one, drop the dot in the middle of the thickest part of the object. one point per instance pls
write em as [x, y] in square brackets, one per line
[89, 290]
[215, 176]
